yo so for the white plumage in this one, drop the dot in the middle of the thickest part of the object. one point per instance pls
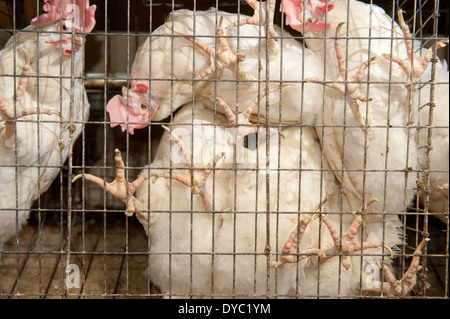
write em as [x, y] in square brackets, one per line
[171, 52]
[197, 252]
[388, 150]
[34, 147]
[217, 247]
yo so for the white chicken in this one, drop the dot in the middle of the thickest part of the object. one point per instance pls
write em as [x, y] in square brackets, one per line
[372, 159]
[207, 245]
[372, 146]
[43, 104]
[242, 66]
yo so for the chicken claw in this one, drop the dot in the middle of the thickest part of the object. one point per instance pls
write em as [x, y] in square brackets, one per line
[225, 58]
[244, 126]
[419, 64]
[403, 286]
[290, 252]
[196, 179]
[351, 86]
[13, 107]
[119, 188]
[255, 20]
[443, 187]
[346, 244]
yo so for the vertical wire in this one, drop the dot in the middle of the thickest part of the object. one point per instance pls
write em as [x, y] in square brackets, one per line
[105, 153]
[149, 154]
[410, 102]
[277, 216]
[61, 129]
[213, 204]
[344, 127]
[71, 131]
[323, 159]
[191, 171]
[386, 151]
[127, 160]
[267, 124]
[83, 144]
[235, 212]
[107, 74]
[170, 157]
[38, 136]
[365, 148]
[16, 162]
[429, 137]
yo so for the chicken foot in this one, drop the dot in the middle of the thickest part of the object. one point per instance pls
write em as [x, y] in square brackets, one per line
[195, 178]
[225, 57]
[346, 243]
[415, 65]
[13, 107]
[351, 86]
[290, 252]
[260, 8]
[243, 126]
[120, 188]
[402, 287]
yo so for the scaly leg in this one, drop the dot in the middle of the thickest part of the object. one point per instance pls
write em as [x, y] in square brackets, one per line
[13, 107]
[351, 86]
[419, 64]
[196, 179]
[225, 58]
[119, 188]
[290, 252]
[260, 8]
[244, 126]
[346, 243]
[403, 286]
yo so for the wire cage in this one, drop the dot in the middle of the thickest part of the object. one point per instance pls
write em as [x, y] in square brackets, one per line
[78, 242]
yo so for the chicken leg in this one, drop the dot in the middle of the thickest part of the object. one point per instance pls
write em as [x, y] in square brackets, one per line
[403, 286]
[290, 252]
[415, 65]
[346, 243]
[119, 188]
[351, 86]
[13, 107]
[195, 178]
[260, 8]
[225, 58]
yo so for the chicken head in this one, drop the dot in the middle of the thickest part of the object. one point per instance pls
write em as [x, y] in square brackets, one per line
[132, 109]
[71, 18]
[306, 15]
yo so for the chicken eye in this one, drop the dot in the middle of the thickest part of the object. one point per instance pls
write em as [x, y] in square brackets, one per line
[310, 20]
[143, 106]
[63, 27]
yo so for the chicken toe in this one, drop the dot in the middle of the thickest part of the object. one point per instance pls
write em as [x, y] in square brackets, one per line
[346, 244]
[403, 286]
[416, 65]
[263, 17]
[195, 177]
[119, 188]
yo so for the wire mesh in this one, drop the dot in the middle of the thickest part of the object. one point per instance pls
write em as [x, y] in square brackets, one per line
[78, 241]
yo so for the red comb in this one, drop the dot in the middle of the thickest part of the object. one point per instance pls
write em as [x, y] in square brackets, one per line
[141, 88]
[52, 13]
